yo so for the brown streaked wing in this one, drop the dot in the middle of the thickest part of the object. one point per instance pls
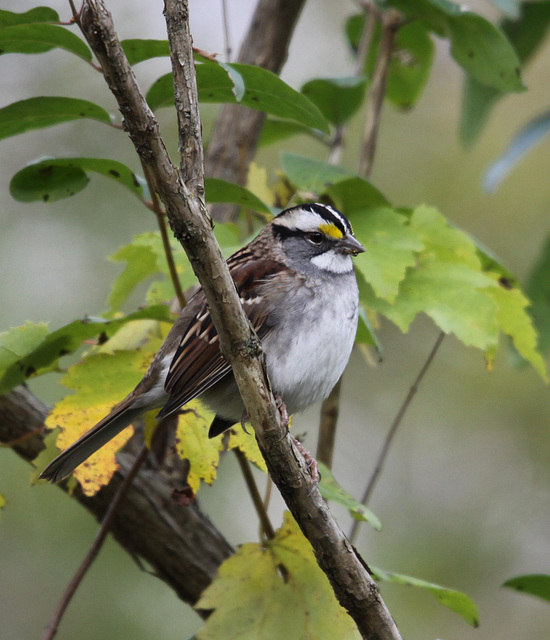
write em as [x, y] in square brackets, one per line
[198, 363]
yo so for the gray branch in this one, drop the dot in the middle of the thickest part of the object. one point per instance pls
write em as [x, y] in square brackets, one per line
[179, 543]
[191, 224]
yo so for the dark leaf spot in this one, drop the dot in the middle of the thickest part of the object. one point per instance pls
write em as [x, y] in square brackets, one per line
[505, 282]
[64, 352]
[114, 173]
[102, 338]
[471, 54]
[29, 371]
[46, 197]
[135, 180]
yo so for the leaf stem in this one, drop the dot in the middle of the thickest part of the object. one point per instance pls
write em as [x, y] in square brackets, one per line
[330, 406]
[393, 430]
[226, 33]
[259, 505]
[391, 21]
[327, 426]
[161, 220]
[52, 627]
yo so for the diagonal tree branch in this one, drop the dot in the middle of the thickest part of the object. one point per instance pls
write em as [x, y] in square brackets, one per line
[349, 577]
[149, 524]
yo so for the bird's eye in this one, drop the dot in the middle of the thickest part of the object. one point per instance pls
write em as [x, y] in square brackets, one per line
[315, 238]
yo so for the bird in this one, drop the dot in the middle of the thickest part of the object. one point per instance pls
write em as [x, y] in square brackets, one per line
[297, 284]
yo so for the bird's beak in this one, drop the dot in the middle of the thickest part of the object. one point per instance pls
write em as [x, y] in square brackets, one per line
[350, 244]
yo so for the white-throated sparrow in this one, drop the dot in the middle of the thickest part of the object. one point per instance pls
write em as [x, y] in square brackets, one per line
[298, 288]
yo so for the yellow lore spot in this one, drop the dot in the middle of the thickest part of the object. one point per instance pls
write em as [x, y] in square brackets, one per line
[331, 230]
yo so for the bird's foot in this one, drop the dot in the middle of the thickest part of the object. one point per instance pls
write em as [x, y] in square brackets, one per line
[244, 418]
[311, 463]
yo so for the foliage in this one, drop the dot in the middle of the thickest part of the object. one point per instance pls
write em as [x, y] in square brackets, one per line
[416, 262]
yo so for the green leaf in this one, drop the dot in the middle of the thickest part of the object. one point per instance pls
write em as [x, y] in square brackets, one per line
[434, 14]
[526, 35]
[533, 584]
[19, 341]
[145, 257]
[217, 190]
[478, 46]
[354, 28]
[526, 139]
[338, 99]
[264, 91]
[354, 195]
[47, 455]
[66, 340]
[332, 491]
[137, 50]
[47, 183]
[311, 175]
[38, 38]
[410, 65]
[528, 32]
[366, 336]
[515, 322]
[477, 102]
[38, 14]
[279, 130]
[46, 111]
[484, 52]
[447, 284]
[390, 245]
[454, 600]
[56, 178]
[141, 263]
[277, 591]
[538, 290]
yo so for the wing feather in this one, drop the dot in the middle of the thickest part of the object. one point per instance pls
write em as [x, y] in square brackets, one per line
[198, 362]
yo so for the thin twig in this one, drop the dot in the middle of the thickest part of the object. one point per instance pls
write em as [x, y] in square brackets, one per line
[226, 34]
[161, 220]
[327, 426]
[265, 523]
[51, 629]
[393, 429]
[329, 409]
[391, 22]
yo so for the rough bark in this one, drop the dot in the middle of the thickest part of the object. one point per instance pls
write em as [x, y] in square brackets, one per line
[185, 209]
[179, 543]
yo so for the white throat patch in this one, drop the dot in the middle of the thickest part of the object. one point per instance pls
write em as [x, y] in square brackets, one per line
[333, 261]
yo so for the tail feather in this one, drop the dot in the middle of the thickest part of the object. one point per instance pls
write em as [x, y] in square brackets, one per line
[67, 461]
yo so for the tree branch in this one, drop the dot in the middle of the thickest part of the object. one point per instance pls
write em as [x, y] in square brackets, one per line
[237, 129]
[149, 524]
[391, 21]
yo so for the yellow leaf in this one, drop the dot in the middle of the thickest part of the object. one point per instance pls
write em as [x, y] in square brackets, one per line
[274, 590]
[257, 183]
[100, 381]
[74, 421]
[193, 444]
[238, 439]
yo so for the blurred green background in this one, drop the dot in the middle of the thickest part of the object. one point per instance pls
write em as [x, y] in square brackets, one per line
[465, 495]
